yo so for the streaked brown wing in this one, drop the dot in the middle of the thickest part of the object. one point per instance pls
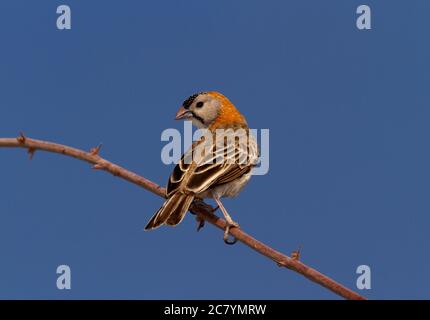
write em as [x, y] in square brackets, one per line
[177, 177]
[212, 175]
[232, 173]
[198, 177]
[184, 168]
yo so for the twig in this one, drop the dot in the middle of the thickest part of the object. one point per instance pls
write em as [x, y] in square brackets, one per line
[201, 210]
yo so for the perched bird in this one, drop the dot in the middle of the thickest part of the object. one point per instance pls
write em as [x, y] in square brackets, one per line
[217, 165]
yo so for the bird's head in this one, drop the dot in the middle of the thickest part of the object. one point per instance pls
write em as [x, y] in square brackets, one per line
[210, 110]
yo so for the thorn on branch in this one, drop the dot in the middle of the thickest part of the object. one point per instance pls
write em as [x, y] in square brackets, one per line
[98, 166]
[31, 152]
[295, 255]
[95, 151]
[21, 138]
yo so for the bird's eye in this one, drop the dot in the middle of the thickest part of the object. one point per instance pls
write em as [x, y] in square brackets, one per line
[199, 104]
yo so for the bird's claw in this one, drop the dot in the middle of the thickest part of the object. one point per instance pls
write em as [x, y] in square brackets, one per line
[201, 223]
[200, 203]
[228, 226]
[205, 206]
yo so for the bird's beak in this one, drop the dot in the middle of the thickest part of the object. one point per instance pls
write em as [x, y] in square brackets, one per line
[183, 114]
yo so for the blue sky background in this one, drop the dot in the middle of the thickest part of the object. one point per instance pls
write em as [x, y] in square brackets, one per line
[348, 114]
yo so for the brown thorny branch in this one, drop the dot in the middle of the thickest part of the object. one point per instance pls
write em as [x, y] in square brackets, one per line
[201, 210]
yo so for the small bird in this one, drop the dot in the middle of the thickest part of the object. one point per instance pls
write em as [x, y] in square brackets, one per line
[215, 166]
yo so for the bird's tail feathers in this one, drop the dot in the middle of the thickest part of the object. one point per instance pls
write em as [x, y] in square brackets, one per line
[172, 211]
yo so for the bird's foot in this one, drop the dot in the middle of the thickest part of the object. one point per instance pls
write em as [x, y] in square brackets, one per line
[200, 203]
[200, 223]
[228, 226]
